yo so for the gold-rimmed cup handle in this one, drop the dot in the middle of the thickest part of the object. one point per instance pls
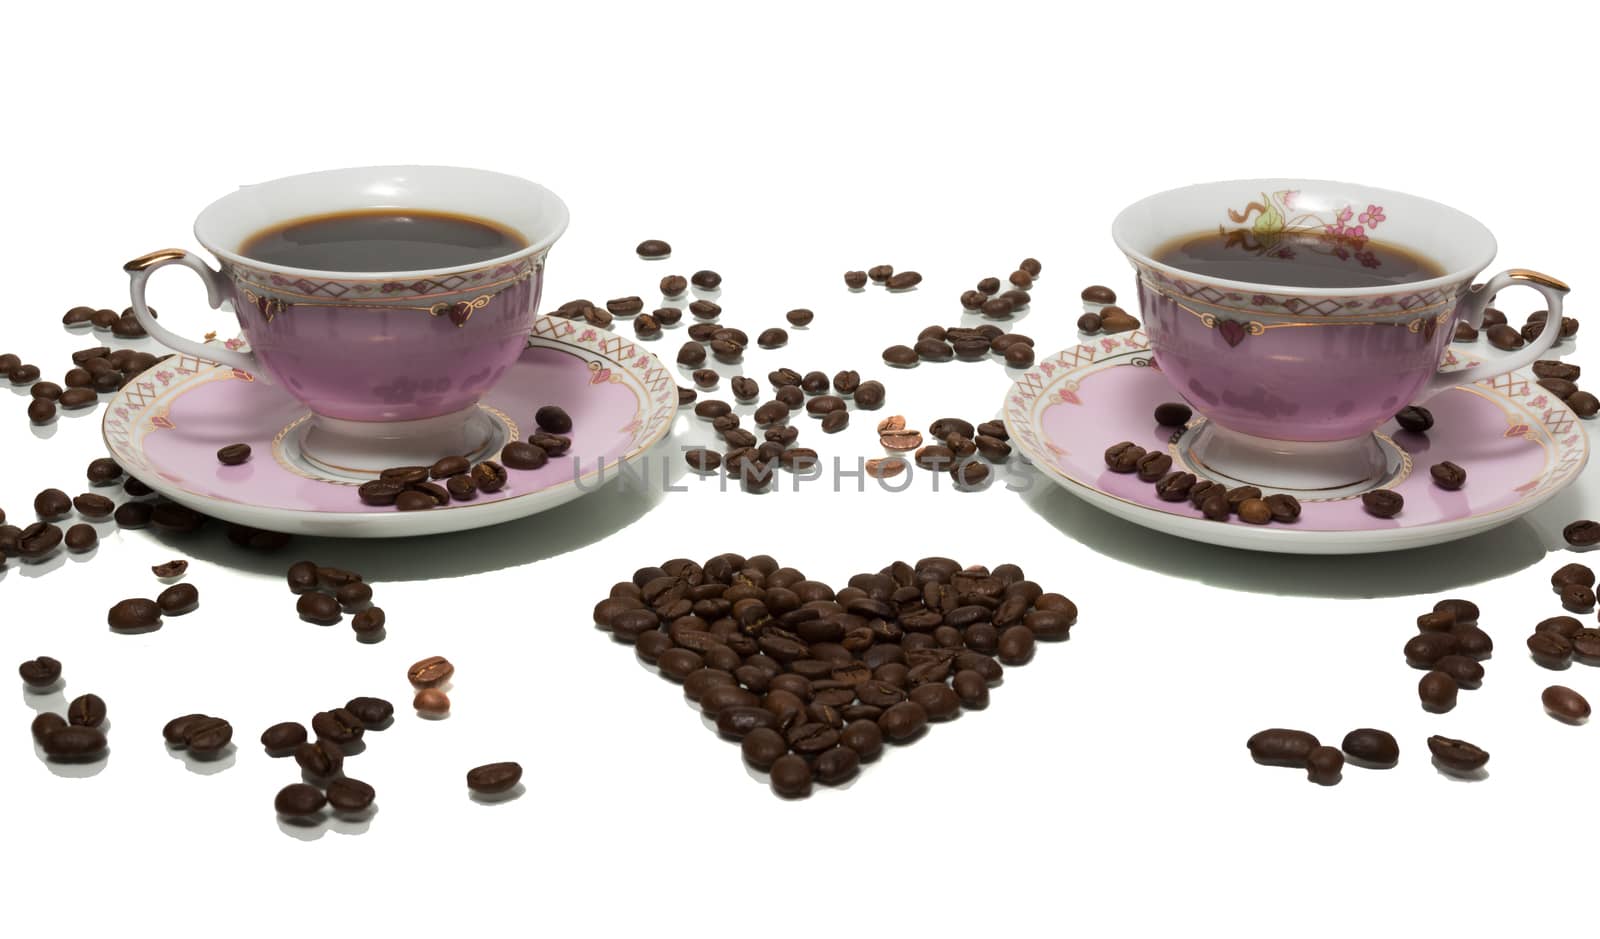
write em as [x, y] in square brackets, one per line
[1553, 290]
[139, 270]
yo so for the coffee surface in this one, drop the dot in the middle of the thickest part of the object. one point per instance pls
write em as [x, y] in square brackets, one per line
[374, 240]
[1297, 259]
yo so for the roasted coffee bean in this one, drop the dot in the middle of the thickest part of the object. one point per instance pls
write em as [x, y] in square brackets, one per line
[134, 614]
[489, 476]
[553, 419]
[1324, 766]
[1584, 404]
[673, 285]
[41, 672]
[1582, 534]
[45, 389]
[903, 721]
[299, 800]
[431, 703]
[103, 470]
[1555, 368]
[1153, 466]
[170, 569]
[705, 377]
[1425, 649]
[353, 596]
[38, 541]
[998, 308]
[74, 399]
[1116, 320]
[791, 776]
[338, 725]
[904, 280]
[350, 796]
[1382, 503]
[1564, 704]
[1212, 503]
[206, 736]
[938, 700]
[1284, 507]
[835, 422]
[1504, 337]
[1457, 756]
[51, 504]
[1493, 317]
[814, 383]
[46, 723]
[1586, 646]
[669, 315]
[691, 354]
[405, 475]
[1563, 625]
[86, 710]
[1559, 387]
[1572, 574]
[1016, 645]
[449, 466]
[972, 299]
[1414, 418]
[233, 454]
[1577, 598]
[1472, 641]
[653, 249]
[1280, 747]
[80, 538]
[1094, 293]
[624, 306]
[869, 395]
[1437, 691]
[282, 739]
[900, 356]
[825, 404]
[846, 381]
[1447, 475]
[931, 350]
[23, 374]
[711, 409]
[855, 280]
[1466, 670]
[1465, 611]
[492, 778]
[462, 488]
[1550, 649]
[379, 492]
[73, 743]
[430, 672]
[705, 310]
[369, 624]
[706, 280]
[1372, 748]
[370, 711]
[1124, 457]
[836, 766]
[523, 456]
[41, 410]
[318, 608]
[647, 325]
[1021, 279]
[178, 599]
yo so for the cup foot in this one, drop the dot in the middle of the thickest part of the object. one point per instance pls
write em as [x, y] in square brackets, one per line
[357, 451]
[1307, 470]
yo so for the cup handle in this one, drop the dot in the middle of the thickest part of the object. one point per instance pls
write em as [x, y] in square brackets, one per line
[1553, 290]
[139, 271]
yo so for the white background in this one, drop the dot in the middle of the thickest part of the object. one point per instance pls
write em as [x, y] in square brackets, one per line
[1106, 790]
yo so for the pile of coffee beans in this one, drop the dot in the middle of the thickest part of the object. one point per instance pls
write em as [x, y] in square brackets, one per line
[1366, 747]
[988, 299]
[94, 371]
[1561, 379]
[455, 478]
[1213, 500]
[1449, 647]
[328, 592]
[810, 680]
[968, 343]
[340, 732]
[1506, 337]
[1101, 314]
[1558, 641]
[884, 275]
[964, 450]
[78, 736]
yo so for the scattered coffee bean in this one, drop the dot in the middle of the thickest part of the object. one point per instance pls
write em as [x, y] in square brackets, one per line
[369, 624]
[1095, 293]
[51, 504]
[372, 712]
[1564, 704]
[431, 702]
[773, 338]
[1504, 337]
[673, 285]
[1437, 691]
[72, 744]
[1414, 418]
[233, 454]
[103, 470]
[299, 800]
[489, 476]
[1550, 649]
[705, 310]
[1382, 503]
[1153, 466]
[1577, 597]
[1124, 457]
[38, 541]
[350, 796]
[282, 739]
[835, 421]
[1457, 756]
[880, 273]
[869, 395]
[647, 326]
[136, 614]
[1280, 747]
[41, 410]
[1375, 749]
[1324, 766]
[1584, 404]
[206, 736]
[86, 710]
[41, 672]
[1116, 320]
[855, 280]
[522, 456]
[81, 538]
[1572, 574]
[318, 608]
[1089, 323]
[904, 280]
[1555, 368]
[46, 723]
[178, 599]
[1447, 475]
[706, 280]
[430, 672]
[1582, 534]
[900, 356]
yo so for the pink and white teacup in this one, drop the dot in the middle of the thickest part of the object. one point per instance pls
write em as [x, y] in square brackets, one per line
[391, 364]
[1294, 381]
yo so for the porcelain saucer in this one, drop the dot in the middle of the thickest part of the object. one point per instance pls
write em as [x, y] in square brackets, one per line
[166, 428]
[1519, 444]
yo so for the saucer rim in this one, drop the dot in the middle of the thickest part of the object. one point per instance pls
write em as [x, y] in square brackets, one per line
[1277, 539]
